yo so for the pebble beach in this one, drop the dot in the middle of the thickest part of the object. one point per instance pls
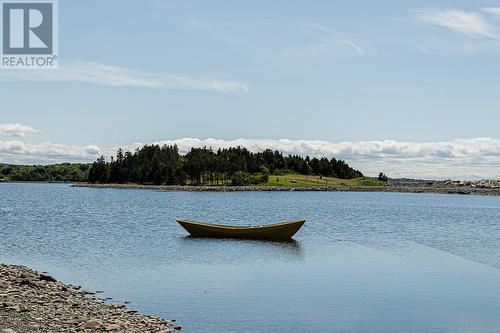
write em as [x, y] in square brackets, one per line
[264, 188]
[34, 302]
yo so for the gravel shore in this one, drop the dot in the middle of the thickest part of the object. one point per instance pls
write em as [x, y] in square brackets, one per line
[389, 188]
[32, 302]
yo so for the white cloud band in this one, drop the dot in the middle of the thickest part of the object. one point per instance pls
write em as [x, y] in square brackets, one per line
[18, 130]
[465, 158]
[96, 73]
[18, 152]
[471, 24]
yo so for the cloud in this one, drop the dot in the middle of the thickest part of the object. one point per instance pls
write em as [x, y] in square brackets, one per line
[16, 130]
[97, 73]
[329, 36]
[462, 158]
[471, 24]
[422, 49]
[495, 11]
[19, 152]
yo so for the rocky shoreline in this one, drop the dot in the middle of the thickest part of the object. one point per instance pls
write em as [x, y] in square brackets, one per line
[33, 302]
[255, 188]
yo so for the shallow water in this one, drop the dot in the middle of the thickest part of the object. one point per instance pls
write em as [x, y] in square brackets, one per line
[366, 262]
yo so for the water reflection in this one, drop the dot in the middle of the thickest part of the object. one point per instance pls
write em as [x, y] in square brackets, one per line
[224, 250]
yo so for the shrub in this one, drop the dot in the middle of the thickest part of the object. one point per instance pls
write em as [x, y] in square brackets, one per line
[239, 179]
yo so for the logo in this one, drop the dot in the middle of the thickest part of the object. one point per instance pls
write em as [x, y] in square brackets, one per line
[29, 34]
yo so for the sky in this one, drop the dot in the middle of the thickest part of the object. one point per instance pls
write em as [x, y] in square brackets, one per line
[409, 88]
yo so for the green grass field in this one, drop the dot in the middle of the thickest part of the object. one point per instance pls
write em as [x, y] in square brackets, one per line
[302, 180]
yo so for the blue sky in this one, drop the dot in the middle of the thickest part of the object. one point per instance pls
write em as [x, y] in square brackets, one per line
[364, 72]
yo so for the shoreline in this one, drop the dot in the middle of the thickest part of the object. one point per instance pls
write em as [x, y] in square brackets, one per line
[33, 302]
[264, 188]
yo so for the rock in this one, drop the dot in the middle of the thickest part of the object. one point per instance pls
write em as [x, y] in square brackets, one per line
[112, 327]
[44, 277]
[7, 330]
[26, 282]
[92, 323]
[15, 308]
[178, 328]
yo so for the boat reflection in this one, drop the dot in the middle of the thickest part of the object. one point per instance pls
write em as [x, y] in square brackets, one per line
[230, 251]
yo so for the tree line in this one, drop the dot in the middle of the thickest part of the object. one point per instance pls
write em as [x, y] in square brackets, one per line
[64, 172]
[156, 164]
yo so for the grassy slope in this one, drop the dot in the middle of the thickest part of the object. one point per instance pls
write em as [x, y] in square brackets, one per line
[302, 180]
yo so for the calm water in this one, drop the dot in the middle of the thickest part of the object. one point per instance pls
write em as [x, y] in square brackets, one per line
[368, 262]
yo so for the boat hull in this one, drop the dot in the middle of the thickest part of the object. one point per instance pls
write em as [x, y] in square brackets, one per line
[279, 231]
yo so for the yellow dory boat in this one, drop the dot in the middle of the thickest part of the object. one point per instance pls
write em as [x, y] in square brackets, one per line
[278, 231]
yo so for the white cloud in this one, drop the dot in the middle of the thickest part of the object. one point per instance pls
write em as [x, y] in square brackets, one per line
[462, 158]
[19, 152]
[471, 24]
[328, 37]
[97, 73]
[18, 130]
[495, 11]
[422, 49]
[92, 150]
